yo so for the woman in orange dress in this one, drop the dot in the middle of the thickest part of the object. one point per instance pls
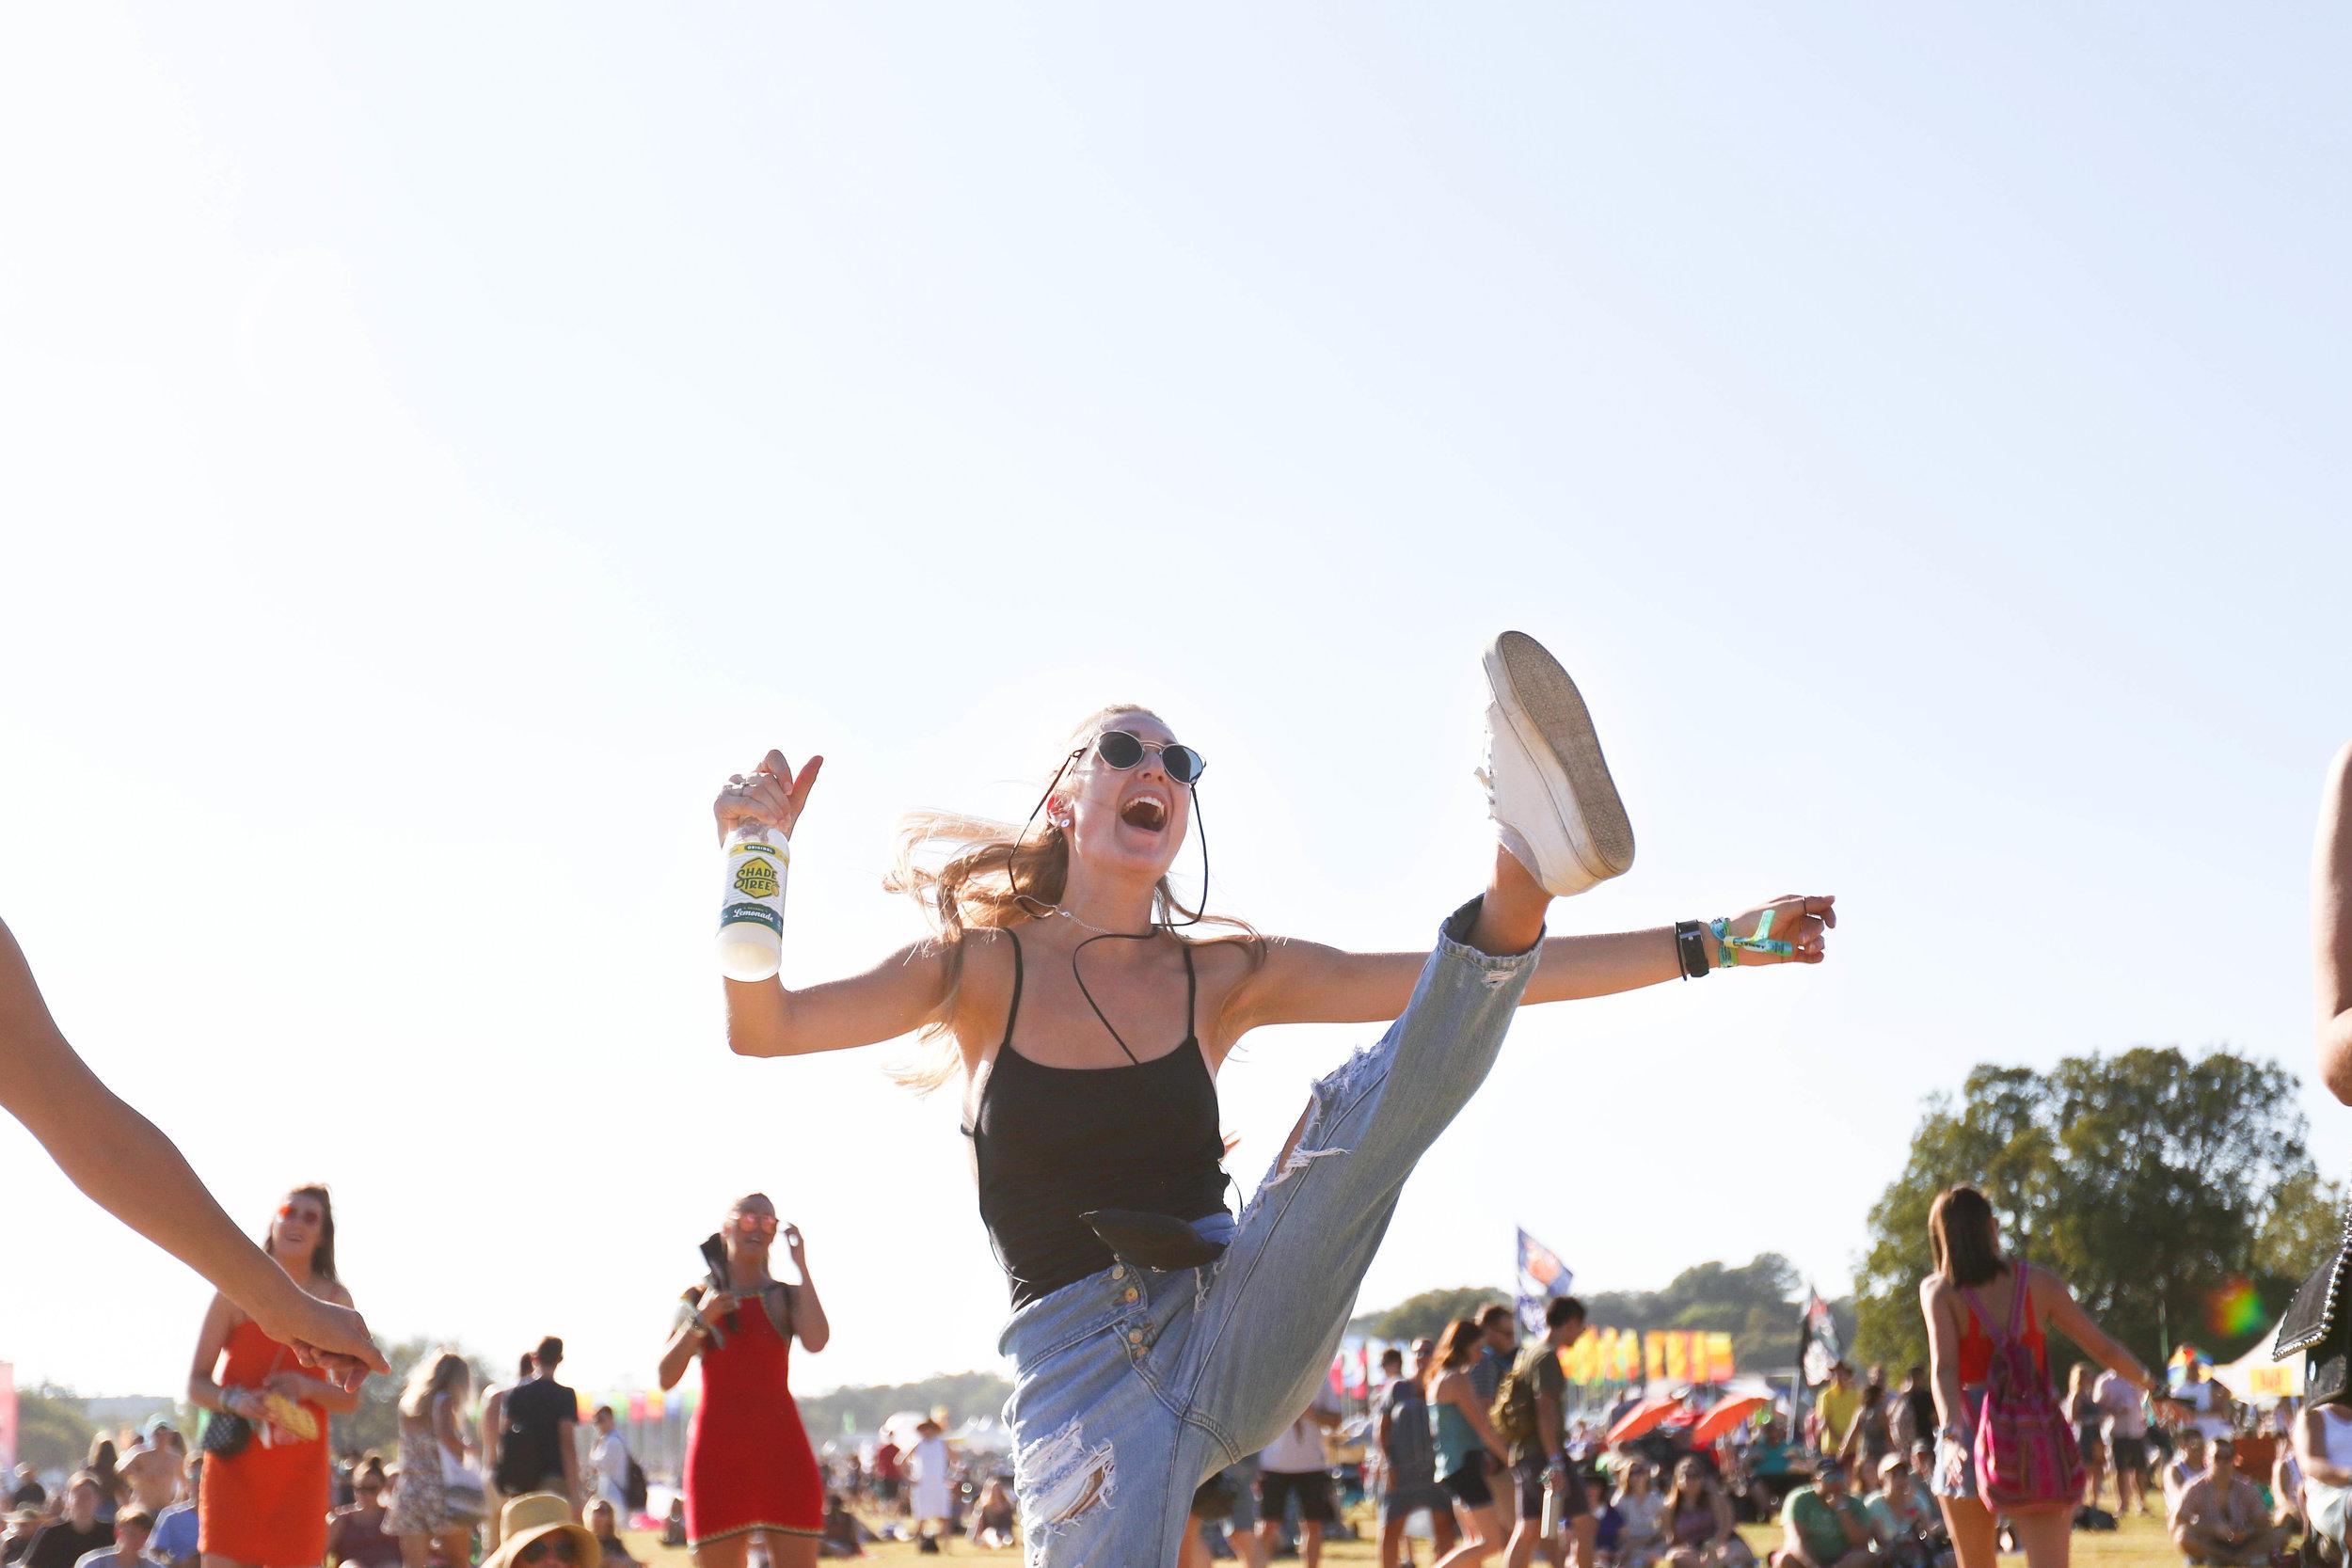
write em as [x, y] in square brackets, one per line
[265, 1505]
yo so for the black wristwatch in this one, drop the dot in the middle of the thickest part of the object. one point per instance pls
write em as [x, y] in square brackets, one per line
[1691, 947]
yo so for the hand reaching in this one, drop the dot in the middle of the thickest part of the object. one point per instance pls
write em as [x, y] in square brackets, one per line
[1801, 923]
[335, 1340]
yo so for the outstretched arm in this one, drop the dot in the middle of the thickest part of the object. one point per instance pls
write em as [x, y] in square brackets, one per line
[2058, 1303]
[2331, 927]
[129, 1168]
[1306, 982]
[900, 994]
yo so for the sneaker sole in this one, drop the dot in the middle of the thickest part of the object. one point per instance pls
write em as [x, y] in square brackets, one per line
[1549, 715]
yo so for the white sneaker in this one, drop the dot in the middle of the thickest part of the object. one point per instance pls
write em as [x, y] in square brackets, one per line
[1548, 790]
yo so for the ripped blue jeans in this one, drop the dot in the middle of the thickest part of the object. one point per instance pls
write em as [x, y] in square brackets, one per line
[1133, 1386]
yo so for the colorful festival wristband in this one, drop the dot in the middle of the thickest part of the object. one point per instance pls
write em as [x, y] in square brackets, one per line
[1760, 942]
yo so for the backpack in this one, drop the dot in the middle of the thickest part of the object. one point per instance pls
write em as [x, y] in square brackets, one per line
[1513, 1412]
[633, 1486]
[2024, 1448]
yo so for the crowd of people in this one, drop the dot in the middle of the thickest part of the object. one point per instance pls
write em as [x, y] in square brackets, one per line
[1113, 1303]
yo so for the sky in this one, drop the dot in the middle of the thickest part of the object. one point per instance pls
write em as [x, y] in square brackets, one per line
[438, 446]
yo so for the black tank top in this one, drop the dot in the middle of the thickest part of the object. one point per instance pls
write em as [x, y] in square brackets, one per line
[1053, 1143]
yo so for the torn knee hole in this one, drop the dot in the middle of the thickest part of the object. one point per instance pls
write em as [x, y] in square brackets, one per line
[1296, 1155]
[1071, 1478]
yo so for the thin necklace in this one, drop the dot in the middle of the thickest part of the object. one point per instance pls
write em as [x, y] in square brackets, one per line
[1101, 935]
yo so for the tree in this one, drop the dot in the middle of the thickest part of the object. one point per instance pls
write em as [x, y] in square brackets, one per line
[2152, 1182]
[1426, 1315]
[963, 1394]
[52, 1430]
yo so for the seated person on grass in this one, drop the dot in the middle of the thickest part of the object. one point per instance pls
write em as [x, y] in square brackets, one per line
[1823, 1526]
[2221, 1517]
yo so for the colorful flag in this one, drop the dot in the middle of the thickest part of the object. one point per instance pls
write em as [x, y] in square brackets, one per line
[1719, 1359]
[1653, 1348]
[1818, 1333]
[1542, 1276]
[1677, 1356]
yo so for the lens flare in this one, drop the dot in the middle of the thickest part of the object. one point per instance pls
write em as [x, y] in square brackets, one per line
[2235, 1311]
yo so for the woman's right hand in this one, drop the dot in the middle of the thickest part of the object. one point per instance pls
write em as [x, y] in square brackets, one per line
[769, 795]
[716, 1303]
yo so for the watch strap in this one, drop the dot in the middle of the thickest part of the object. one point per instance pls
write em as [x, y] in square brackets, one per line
[1690, 949]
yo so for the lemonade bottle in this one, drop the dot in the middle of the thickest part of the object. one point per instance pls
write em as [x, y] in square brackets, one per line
[751, 912]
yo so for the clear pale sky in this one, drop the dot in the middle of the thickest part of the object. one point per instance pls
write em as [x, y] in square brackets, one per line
[436, 445]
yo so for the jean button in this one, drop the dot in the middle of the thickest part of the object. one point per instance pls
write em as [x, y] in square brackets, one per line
[1119, 1270]
[1130, 1295]
[1135, 1336]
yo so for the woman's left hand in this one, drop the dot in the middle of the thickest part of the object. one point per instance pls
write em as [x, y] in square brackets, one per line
[797, 1248]
[1802, 922]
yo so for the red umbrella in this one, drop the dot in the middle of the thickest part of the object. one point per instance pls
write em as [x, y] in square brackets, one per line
[1725, 1417]
[1643, 1417]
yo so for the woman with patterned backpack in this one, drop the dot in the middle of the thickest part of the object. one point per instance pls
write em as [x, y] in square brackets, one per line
[2007, 1448]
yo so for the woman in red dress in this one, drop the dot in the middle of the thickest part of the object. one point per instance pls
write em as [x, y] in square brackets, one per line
[266, 1505]
[749, 1468]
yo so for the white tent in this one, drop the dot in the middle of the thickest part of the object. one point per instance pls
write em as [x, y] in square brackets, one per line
[2255, 1379]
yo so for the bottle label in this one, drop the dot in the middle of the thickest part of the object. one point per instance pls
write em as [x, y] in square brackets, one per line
[756, 878]
[751, 914]
[756, 872]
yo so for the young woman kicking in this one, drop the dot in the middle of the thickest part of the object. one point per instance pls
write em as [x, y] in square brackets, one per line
[1155, 1339]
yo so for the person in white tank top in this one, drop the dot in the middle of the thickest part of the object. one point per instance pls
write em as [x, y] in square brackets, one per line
[2323, 1449]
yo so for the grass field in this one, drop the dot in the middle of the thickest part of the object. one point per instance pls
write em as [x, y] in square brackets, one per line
[2140, 1544]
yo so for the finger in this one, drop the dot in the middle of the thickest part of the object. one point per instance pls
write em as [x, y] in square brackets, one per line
[806, 780]
[774, 763]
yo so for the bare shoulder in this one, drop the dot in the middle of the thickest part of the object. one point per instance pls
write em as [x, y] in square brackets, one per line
[2047, 1288]
[1229, 969]
[337, 1293]
[983, 988]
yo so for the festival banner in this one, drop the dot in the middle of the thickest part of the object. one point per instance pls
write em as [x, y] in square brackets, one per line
[1654, 1349]
[1719, 1359]
[1629, 1356]
[1576, 1358]
[1542, 1276]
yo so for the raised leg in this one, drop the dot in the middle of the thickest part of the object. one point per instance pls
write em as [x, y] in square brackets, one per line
[1273, 1308]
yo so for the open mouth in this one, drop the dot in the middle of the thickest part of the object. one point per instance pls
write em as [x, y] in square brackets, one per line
[1146, 813]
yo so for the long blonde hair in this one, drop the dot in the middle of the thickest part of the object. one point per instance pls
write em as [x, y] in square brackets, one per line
[993, 875]
[444, 1372]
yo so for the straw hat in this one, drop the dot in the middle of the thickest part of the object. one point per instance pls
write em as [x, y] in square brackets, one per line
[534, 1517]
